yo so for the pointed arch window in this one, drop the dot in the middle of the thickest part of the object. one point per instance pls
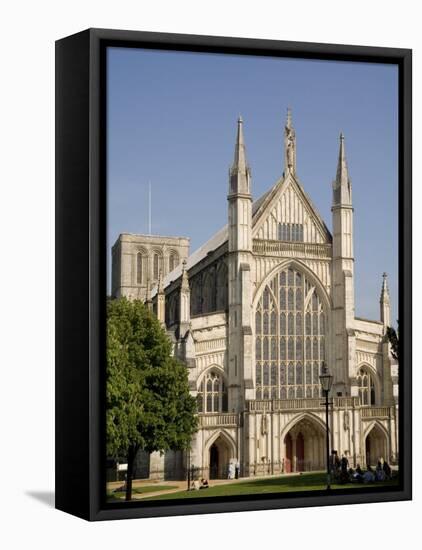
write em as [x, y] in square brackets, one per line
[366, 387]
[212, 394]
[155, 265]
[291, 332]
[173, 261]
[140, 262]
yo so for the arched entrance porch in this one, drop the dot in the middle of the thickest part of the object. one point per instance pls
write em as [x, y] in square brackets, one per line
[220, 452]
[376, 445]
[303, 446]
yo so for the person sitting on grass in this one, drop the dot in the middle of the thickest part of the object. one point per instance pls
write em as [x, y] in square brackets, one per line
[204, 484]
[358, 475]
[368, 476]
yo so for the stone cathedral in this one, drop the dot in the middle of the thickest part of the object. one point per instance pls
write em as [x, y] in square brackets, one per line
[254, 313]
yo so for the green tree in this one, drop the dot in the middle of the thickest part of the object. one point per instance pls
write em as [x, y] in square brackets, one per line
[149, 406]
[393, 337]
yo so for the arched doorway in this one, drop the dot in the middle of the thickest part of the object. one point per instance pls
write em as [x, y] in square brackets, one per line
[220, 453]
[304, 446]
[214, 462]
[375, 445]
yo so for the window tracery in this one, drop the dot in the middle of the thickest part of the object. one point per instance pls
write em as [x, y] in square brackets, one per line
[289, 338]
[212, 393]
[366, 387]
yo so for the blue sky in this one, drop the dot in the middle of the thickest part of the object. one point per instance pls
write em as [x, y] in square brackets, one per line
[172, 121]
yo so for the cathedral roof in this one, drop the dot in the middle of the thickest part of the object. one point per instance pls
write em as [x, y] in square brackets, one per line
[218, 239]
[200, 253]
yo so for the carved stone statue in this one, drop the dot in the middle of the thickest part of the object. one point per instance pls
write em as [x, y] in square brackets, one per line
[264, 428]
[290, 154]
[290, 136]
[346, 420]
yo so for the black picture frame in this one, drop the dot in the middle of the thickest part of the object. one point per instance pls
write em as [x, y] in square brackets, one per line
[81, 269]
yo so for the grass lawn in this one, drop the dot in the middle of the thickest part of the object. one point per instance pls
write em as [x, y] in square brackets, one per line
[304, 482]
[140, 490]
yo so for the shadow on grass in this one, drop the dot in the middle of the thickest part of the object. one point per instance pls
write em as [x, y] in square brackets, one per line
[285, 484]
[288, 481]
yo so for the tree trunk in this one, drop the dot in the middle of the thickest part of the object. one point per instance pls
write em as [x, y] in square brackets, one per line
[129, 475]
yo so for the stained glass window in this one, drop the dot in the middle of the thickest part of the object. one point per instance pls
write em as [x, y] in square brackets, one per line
[282, 323]
[290, 338]
[283, 373]
[258, 348]
[273, 322]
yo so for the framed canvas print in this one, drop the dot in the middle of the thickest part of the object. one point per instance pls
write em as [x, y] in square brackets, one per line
[233, 274]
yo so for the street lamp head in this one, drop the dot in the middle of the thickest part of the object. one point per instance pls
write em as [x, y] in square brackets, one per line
[325, 379]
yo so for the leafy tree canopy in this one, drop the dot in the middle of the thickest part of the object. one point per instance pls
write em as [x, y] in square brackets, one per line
[149, 406]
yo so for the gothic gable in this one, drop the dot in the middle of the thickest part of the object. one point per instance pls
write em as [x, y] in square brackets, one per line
[286, 213]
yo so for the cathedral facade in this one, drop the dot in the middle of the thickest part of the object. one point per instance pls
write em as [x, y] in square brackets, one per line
[255, 313]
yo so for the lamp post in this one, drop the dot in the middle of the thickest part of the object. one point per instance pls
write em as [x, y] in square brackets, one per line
[326, 381]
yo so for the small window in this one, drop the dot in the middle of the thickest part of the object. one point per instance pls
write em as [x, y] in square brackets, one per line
[173, 261]
[139, 268]
[290, 232]
[156, 266]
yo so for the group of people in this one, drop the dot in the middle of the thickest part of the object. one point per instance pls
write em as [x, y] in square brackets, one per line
[382, 472]
[233, 470]
[341, 472]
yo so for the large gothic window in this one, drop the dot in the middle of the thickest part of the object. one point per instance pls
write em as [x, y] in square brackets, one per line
[366, 387]
[290, 329]
[212, 394]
